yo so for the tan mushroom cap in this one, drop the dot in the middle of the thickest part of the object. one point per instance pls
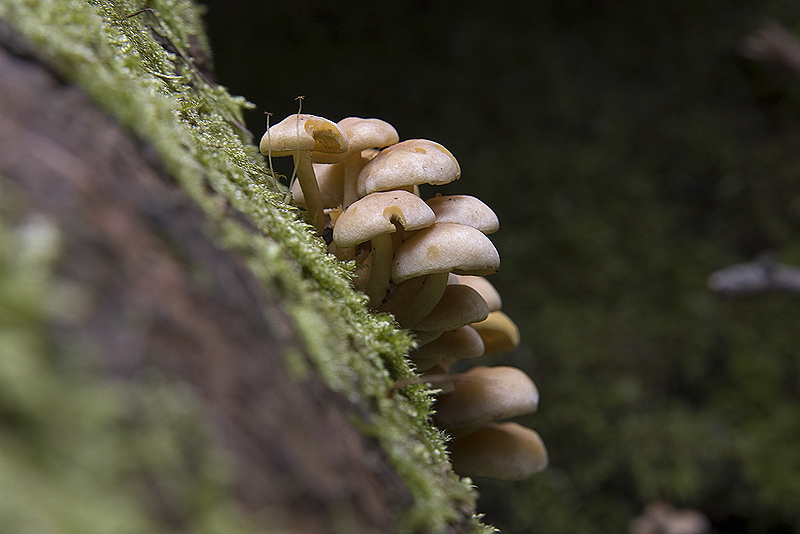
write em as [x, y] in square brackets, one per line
[461, 343]
[484, 288]
[499, 333]
[459, 306]
[362, 134]
[443, 248]
[464, 209]
[377, 213]
[484, 394]
[408, 163]
[413, 299]
[303, 132]
[503, 451]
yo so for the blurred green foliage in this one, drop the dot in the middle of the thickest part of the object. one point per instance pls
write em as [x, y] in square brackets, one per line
[630, 150]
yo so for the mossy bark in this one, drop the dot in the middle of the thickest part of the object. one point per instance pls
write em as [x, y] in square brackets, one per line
[191, 279]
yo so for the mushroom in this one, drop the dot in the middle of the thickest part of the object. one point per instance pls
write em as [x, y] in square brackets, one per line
[298, 135]
[330, 179]
[461, 343]
[459, 306]
[499, 333]
[504, 451]
[484, 394]
[483, 286]
[436, 251]
[362, 135]
[373, 218]
[445, 247]
[464, 209]
[408, 163]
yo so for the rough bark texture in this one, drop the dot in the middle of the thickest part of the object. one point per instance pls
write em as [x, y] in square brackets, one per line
[164, 295]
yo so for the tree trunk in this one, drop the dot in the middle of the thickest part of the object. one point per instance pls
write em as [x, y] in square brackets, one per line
[164, 296]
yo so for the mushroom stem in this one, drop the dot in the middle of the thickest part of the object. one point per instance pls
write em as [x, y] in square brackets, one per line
[310, 187]
[352, 166]
[380, 271]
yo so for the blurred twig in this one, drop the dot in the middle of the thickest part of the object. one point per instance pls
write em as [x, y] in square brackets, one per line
[773, 43]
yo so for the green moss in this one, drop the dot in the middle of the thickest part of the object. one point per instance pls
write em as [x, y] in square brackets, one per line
[194, 127]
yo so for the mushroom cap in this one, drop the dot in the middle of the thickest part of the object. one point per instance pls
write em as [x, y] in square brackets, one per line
[504, 451]
[377, 213]
[303, 132]
[408, 163]
[445, 247]
[499, 333]
[484, 288]
[459, 306]
[362, 134]
[484, 394]
[461, 343]
[464, 209]
[413, 299]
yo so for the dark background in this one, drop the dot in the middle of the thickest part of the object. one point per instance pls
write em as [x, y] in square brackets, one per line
[630, 149]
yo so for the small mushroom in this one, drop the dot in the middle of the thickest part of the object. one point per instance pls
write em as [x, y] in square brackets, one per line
[299, 135]
[459, 306]
[373, 218]
[503, 451]
[445, 248]
[406, 164]
[461, 343]
[436, 251]
[464, 209]
[484, 394]
[499, 333]
[484, 288]
[362, 134]
[330, 179]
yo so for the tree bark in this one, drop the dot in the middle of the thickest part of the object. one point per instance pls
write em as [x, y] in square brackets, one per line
[164, 296]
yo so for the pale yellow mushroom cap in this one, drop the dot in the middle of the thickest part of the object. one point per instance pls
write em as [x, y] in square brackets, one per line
[461, 343]
[362, 134]
[443, 248]
[464, 209]
[459, 306]
[499, 333]
[377, 214]
[484, 394]
[484, 288]
[503, 451]
[408, 163]
[303, 132]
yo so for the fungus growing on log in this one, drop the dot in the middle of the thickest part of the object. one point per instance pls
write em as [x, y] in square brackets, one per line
[483, 394]
[425, 264]
[298, 136]
[505, 451]
[363, 134]
[373, 218]
[406, 164]
[464, 209]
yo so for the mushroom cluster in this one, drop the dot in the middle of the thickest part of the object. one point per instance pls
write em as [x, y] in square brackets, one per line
[424, 262]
